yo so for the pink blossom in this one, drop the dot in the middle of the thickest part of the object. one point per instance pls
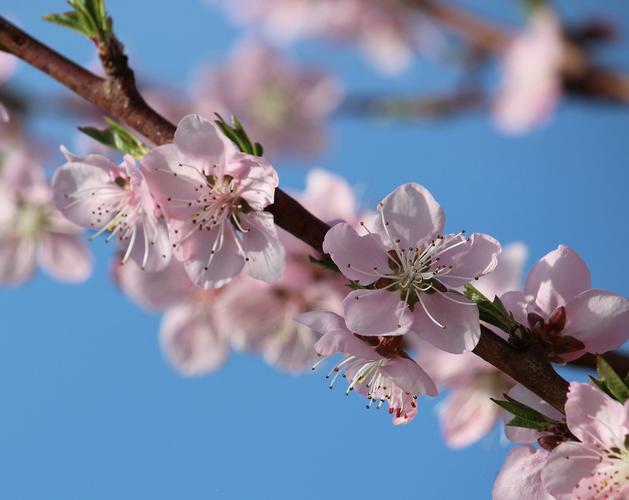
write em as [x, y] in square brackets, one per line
[32, 231]
[213, 197]
[559, 286]
[521, 476]
[7, 67]
[395, 378]
[192, 335]
[598, 465]
[388, 34]
[531, 85]
[95, 193]
[467, 413]
[415, 272]
[282, 106]
[260, 315]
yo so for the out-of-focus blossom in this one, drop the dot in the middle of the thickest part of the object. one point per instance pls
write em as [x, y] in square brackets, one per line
[415, 272]
[598, 465]
[260, 315]
[387, 31]
[97, 194]
[192, 336]
[559, 302]
[467, 413]
[390, 376]
[282, 106]
[32, 231]
[531, 85]
[521, 476]
[213, 197]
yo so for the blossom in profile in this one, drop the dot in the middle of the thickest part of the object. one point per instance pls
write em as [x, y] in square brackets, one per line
[32, 231]
[213, 197]
[560, 305]
[409, 274]
[531, 82]
[388, 35]
[377, 369]
[95, 193]
[281, 105]
[192, 336]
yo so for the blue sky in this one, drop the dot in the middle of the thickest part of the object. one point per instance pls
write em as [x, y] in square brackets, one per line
[89, 409]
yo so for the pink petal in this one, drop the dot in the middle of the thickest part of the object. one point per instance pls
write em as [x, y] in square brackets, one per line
[376, 312]
[559, 276]
[65, 257]
[329, 197]
[342, 341]
[4, 114]
[413, 216]
[257, 179]
[521, 476]
[17, 260]
[262, 247]
[409, 376]
[567, 465]
[321, 322]
[470, 260]
[190, 339]
[360, 258]
[198, 137]
[594, 417]
[461, 321]
[156, 290]
[520, 305]
[507, 275]
[599, 319]
[209, 270]
[467, 414]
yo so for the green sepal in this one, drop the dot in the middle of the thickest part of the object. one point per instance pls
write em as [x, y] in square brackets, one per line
[117, 137]
[611, 380]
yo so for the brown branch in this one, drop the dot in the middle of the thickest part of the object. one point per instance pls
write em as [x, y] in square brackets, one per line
[617, 360]
[527, 367]
[581, 76]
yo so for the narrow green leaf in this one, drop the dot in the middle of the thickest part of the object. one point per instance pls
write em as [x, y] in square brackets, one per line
[528, 424]
[69, 20]
[611, 380]
[117, 137]
[521, 410]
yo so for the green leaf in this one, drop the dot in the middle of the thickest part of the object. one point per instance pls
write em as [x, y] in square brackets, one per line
[528, 424]
[236, 133]
[117, 137]
[494, 312]
[88, 17]
[70, 20]
[522, 411]
[608, 377]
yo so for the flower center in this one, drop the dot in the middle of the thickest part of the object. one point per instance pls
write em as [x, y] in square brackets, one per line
[30, 220]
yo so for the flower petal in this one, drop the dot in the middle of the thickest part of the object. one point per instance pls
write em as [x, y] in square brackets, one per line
[411, 378]
[265, 256]
[462, 325]
[65, 257]
[342, 341]
[469, 260]
[594, 417]
[507, 275]
[191, 341]
[567, 465]
[376, 312]
[409, 214]
[521, 476]
[559, 276]
[196, 136]
[17, 260]
[360, 258]
[599, 319]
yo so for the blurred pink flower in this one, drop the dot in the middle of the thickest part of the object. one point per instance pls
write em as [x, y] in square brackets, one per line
[213, 197]
[598, 465]
[31, 229]
[260, 315]
[389, 33]
[415, 270]
[95, 193]
[191, 333]
[282, 106]
[467, 413]
[558, 292]
[398, 380]
[531, 85]
[7, 68]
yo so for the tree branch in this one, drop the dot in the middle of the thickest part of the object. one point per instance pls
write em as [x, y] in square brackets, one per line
[529, 368]
[617, 360]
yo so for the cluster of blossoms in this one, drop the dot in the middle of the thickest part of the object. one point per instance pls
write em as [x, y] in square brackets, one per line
[389, 33]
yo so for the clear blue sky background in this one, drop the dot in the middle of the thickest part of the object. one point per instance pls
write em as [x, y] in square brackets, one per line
[90, 410]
